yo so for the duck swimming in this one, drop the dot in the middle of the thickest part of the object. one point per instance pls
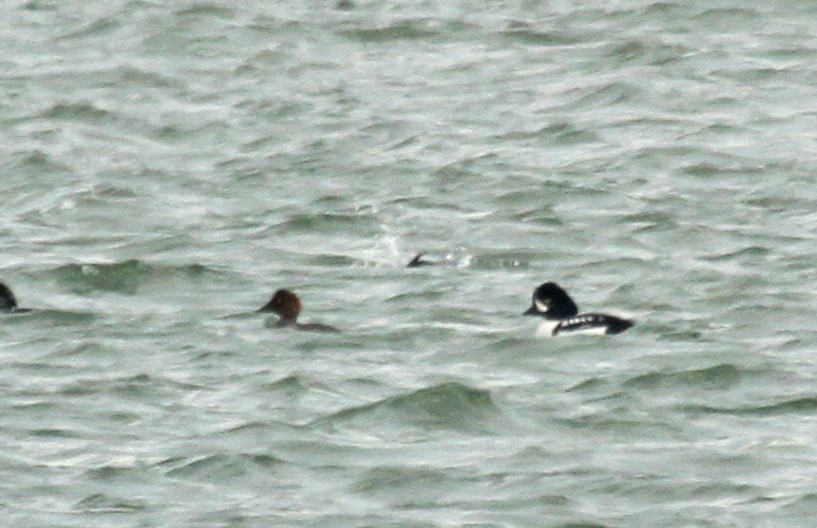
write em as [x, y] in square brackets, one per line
[561, 315]
[418, 261]
[287, 306]
[8, 303]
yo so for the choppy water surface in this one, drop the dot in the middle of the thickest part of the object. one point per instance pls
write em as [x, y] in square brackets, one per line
[166, 166]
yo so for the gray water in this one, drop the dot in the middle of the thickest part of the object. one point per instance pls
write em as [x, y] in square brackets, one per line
[167, 165]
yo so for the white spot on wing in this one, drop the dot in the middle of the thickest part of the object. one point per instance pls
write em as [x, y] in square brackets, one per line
[587, 324]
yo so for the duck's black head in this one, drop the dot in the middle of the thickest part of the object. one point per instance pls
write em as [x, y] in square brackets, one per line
[552, 302]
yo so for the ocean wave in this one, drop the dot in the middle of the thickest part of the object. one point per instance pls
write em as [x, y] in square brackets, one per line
[106, 503]
[326, 222]
[220, 466]
[806, 405]
[124, 277]
[525, 33]
[84, 111]
[407, 29]
[718, 377]
[445, 406]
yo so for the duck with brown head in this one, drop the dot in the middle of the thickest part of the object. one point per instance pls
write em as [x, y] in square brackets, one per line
[287, 306]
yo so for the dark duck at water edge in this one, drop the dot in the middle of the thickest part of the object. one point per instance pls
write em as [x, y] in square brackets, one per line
[8, 303]
[561, 315]
[287, 306]
[418, 261]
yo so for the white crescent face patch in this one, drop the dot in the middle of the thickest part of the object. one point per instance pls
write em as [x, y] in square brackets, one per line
[541, 306]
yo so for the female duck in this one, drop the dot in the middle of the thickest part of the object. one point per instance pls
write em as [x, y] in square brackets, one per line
[287, 305]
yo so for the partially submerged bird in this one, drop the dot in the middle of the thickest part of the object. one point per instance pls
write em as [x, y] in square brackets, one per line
[418, 261]
[287, 305]
[562, 315]
[8, 303]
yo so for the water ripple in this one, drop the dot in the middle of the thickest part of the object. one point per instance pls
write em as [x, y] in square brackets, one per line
[446, 406]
